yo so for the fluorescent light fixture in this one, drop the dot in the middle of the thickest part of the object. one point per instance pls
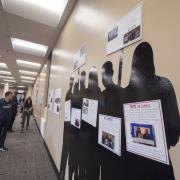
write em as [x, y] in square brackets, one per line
[9, 80]
[20, 91]
[5, 72]
[28, 72]
[25, 81]
[21, 86]
[28, 78]
[3, 65]
[28, 64]
[28, 47]
[44, 11]
[6, 77]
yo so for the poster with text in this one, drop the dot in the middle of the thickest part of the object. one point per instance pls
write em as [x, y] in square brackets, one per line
[109, 135]
[89, 111]
[57, 101]
[67, 114]
[145, 133]
[50, 100]
[126, 32]
[76, 117]
[79, 59]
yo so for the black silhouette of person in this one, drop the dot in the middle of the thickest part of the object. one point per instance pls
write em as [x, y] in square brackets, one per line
[144, 85]
[67, 134]
[111, 164]
[89, 162]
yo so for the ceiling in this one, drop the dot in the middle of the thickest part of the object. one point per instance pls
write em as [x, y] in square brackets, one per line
[30, 20]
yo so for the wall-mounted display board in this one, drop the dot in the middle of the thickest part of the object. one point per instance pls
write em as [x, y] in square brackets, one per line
[145, 133]
[126, 32]
[76, 117]
[67, 114]
[89, 111]
[50, 100]
[79, 58]
[57, 101]
[110, 133]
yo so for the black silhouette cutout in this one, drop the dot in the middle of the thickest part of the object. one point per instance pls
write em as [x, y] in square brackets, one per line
[145, 85]
[111, 164]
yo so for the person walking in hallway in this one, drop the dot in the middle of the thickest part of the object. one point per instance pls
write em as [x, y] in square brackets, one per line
[26, 113]
[14, 112]
[5, 118]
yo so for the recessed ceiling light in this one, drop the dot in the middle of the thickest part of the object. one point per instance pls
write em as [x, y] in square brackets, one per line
[9, 80]
[28, 78]
[28, 64]
[25, 81]
[6, 77]
[28, 47]
[5, 72]
[28, 72]
[3, 65]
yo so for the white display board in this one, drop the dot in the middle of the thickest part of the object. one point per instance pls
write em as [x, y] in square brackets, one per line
[50, 100]
[57, 101]
[67, 114]
[109, 135]
[79, 59]
[125, 32]
[89, 111]
[76, 117]
[145, 133]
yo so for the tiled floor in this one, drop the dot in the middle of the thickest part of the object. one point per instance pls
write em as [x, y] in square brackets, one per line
[27, 158]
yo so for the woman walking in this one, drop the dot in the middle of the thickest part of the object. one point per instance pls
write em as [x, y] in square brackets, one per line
[27, 111]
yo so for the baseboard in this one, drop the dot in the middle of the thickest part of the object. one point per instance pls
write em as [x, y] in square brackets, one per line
[49, 154]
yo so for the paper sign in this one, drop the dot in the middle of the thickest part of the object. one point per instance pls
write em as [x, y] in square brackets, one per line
[110, 133]
[79, 59]
[89, 111]
[50, 100]
[76, 117]
[145, 134]
[57, 101]
[126, 32]
[67, 114]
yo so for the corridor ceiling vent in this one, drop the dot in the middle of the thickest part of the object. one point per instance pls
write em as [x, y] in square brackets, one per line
[5, 72]
[28, 78]
[29, 82]
[28, 64]
[9, 80]
[47, 12]
[6, 77]
[3, 65]
[31, 73]
[28, 47]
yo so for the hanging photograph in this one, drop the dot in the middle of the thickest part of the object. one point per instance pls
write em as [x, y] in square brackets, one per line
[67, 114]
[79, 59]
[109, 135]
[145, 134]
[125, 32]
[57, 101]
[50, 100]
[76, 117]
[89, 111]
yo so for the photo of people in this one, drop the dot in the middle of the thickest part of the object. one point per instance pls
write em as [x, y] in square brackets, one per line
[108, 140]
[113, 34]
[85, 106]
[143, 134]
[132, 35]
[77, 122]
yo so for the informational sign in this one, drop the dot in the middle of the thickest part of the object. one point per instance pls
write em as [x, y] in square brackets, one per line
[89, 111]
[126, 32]
[79, 59]
[76, 117]
[110, 133]
[50, 100]
[67, 114]
[57, 101]
[145, 133]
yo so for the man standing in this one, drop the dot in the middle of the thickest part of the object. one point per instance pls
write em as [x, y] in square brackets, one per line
[5, 117]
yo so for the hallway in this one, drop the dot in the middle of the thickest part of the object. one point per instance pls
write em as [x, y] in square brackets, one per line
[26, 158]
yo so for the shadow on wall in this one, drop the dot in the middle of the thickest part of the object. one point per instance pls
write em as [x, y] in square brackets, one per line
[85, 157]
